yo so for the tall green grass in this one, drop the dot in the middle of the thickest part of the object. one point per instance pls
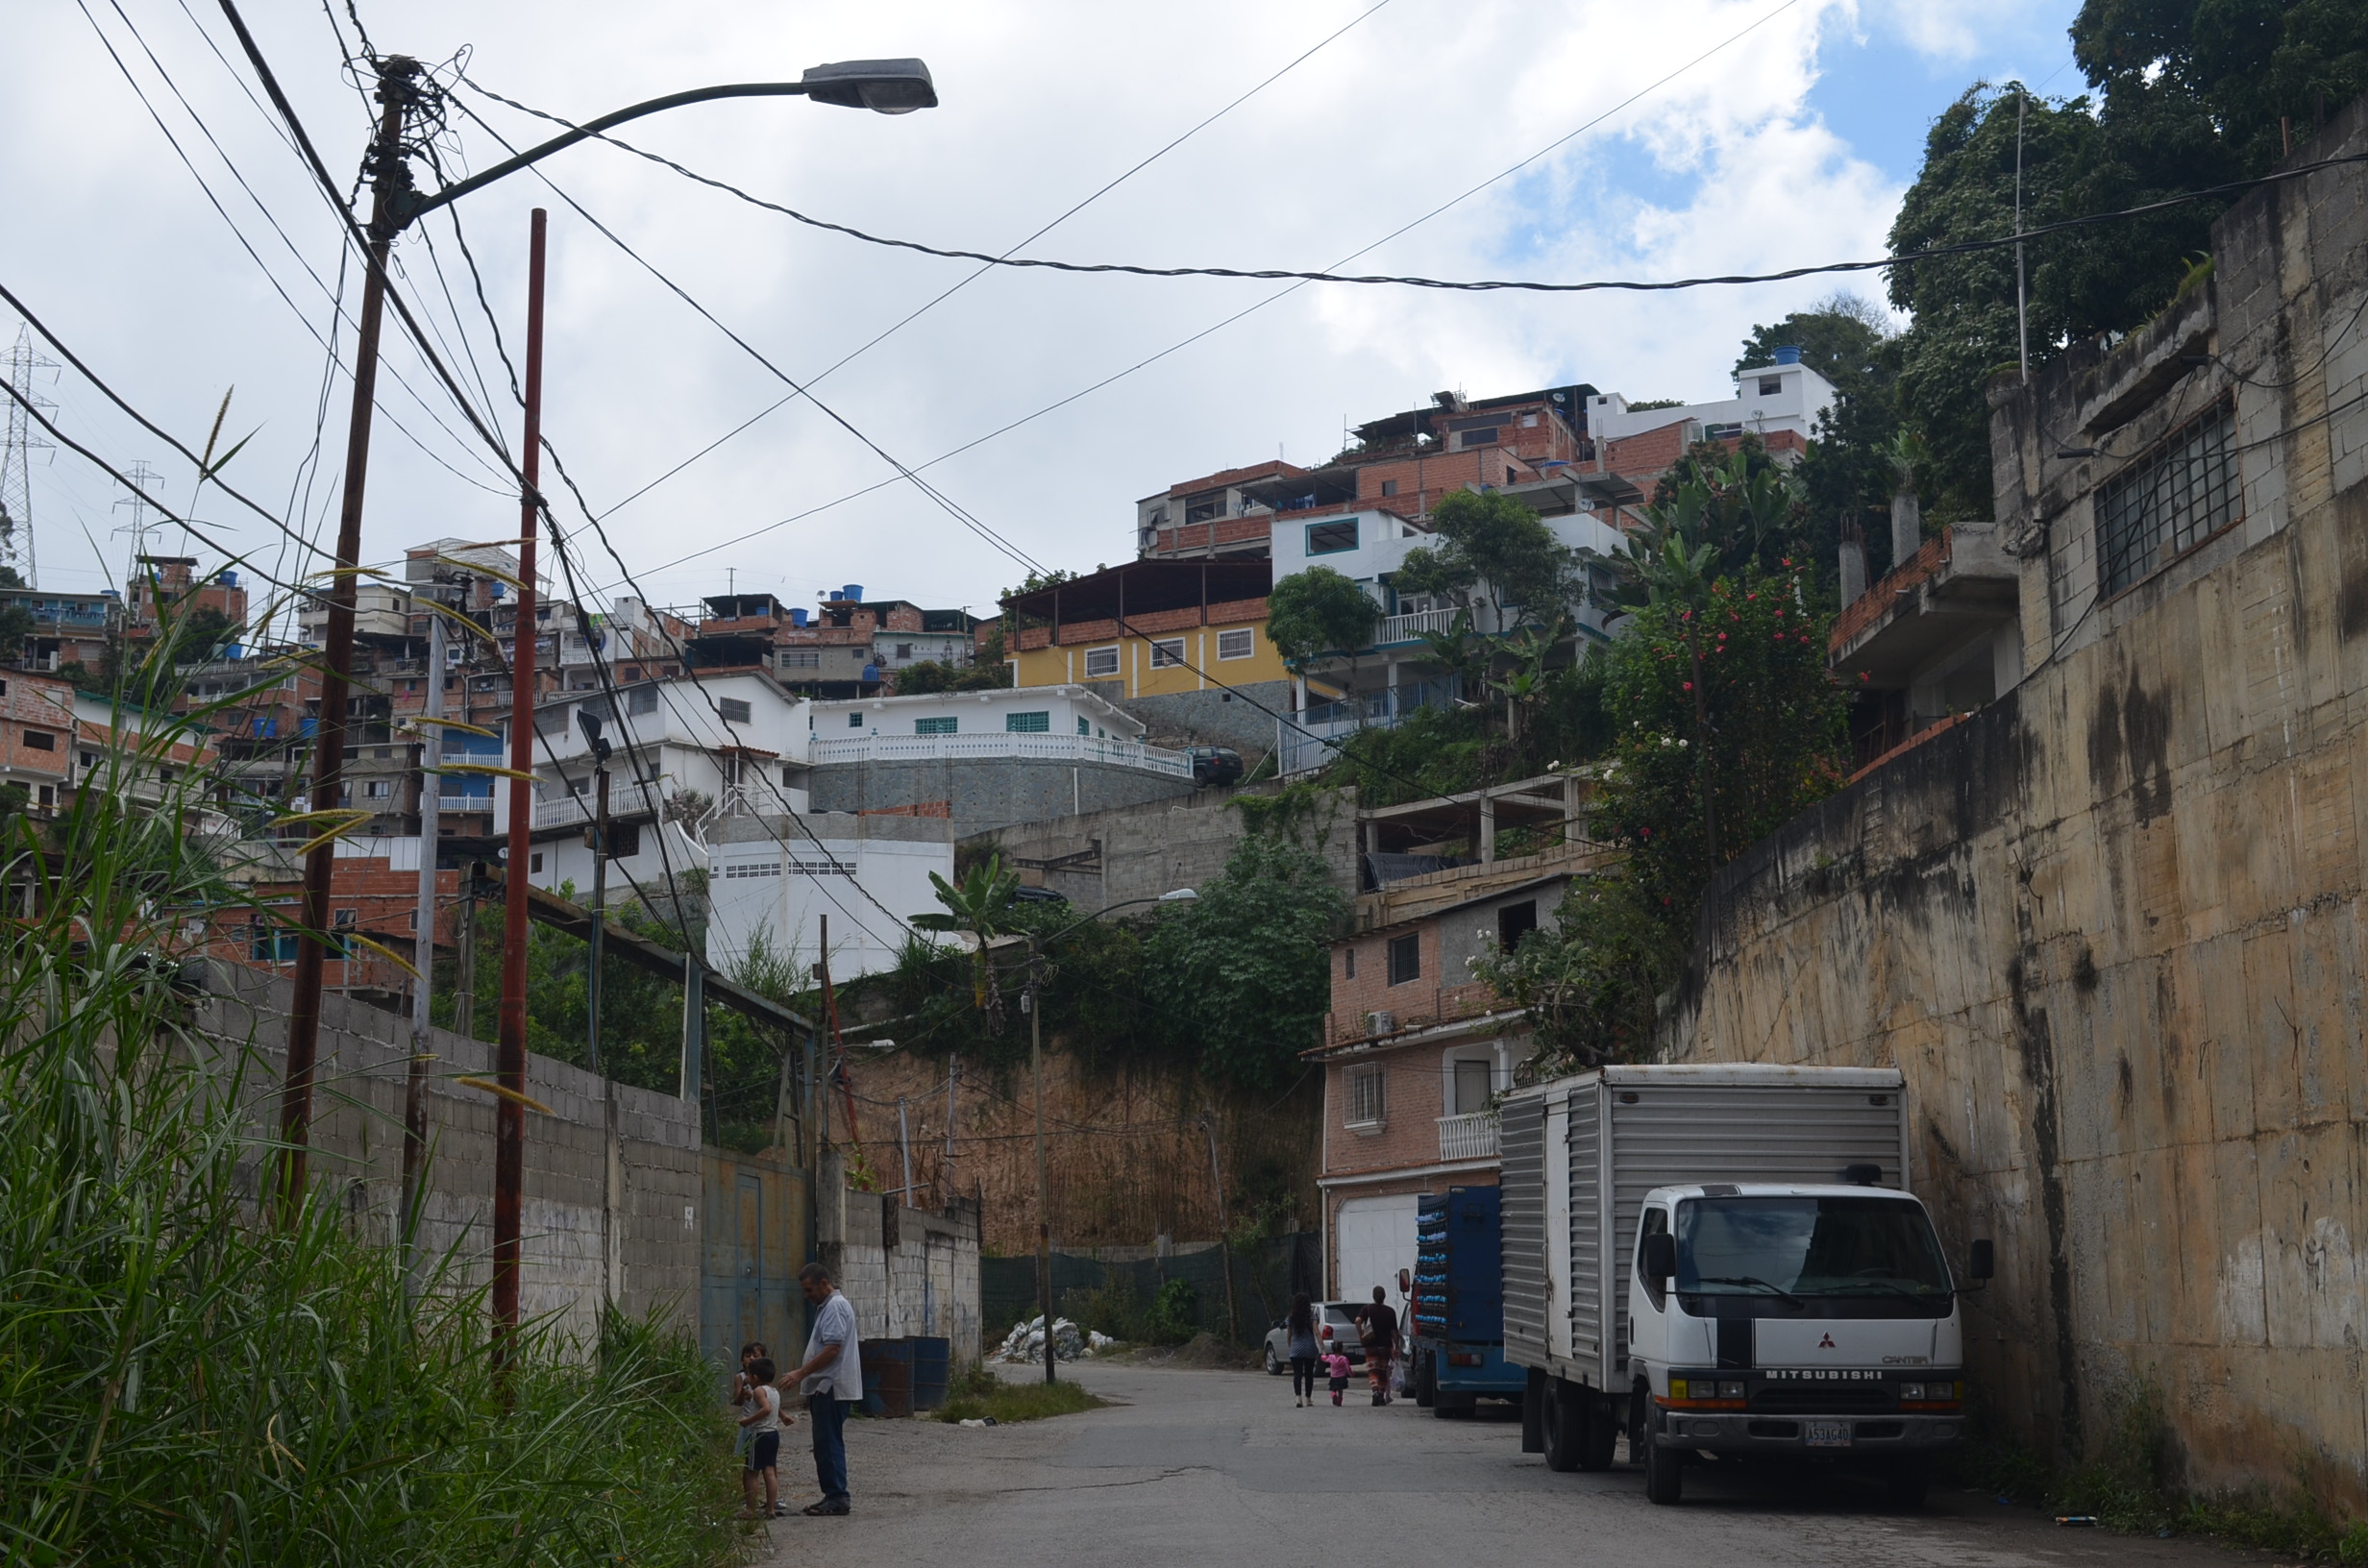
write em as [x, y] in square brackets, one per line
[185, 1378]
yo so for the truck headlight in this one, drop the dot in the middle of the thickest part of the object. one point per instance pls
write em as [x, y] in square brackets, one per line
[1912, 1391]
[1731, 1390]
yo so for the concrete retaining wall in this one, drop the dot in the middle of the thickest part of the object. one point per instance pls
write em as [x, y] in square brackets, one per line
[2114, 927]
[988, 792]
[1160, 846]
[905, 1271]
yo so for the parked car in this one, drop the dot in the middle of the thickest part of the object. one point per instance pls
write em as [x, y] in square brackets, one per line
[1214, 766]
[1338, 1326]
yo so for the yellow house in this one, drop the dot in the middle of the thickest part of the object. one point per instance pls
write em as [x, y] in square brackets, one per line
[1163, 628]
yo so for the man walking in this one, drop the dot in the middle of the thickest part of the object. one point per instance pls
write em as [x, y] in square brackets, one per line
[832, 1379]
[1377, 1326]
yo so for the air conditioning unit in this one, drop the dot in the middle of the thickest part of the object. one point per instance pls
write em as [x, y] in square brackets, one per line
[1380, 1023]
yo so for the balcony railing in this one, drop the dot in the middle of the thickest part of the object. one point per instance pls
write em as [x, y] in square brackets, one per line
[1047, 748]
[465, 802]
[1312, 738]
[575, 810]
[1406, 628]
[1471, 1136]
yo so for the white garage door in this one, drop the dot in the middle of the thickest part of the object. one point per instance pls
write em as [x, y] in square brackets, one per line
[1375, 1238]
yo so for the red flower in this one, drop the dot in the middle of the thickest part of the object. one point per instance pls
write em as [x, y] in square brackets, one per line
[1864, 676]
[1689, 685]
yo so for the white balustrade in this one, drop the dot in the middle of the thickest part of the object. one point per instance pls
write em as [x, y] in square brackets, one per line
[1471, 1136]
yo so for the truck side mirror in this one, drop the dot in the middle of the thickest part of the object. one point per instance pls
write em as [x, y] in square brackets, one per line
[1984, 1259]
[1660, 1256]
[1405, 1282]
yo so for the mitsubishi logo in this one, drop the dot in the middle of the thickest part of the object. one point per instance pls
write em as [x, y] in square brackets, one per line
[1826, 1342]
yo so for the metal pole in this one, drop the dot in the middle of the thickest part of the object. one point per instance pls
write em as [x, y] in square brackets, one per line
[464, 959]
[694, 1032]
[599, 917]
[904, 1149]
[954, 1072]
[1224, 1231]
[390, 173]
[1044, 1183]
[423, 947]
[2022, 307]
[510, 1114]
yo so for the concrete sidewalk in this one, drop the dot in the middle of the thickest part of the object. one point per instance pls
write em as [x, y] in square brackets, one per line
[1222, 1466]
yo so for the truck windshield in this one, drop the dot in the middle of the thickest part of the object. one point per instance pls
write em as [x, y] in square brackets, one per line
[1805, 1247]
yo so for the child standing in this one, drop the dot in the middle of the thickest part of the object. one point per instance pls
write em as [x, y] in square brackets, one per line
[763, 1422]
[741, 1397]
[1336, 1370]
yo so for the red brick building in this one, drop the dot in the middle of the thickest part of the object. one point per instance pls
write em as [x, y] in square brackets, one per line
[1417, 1050]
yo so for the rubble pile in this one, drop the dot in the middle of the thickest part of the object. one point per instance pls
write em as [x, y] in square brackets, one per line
[1025, 1342]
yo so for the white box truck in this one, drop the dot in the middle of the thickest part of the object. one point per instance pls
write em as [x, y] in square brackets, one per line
[1723, 1261]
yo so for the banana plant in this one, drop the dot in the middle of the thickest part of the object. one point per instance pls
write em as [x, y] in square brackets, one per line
[980, 905]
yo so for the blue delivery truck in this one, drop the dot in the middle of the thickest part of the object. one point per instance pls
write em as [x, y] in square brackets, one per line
[1456, 1332]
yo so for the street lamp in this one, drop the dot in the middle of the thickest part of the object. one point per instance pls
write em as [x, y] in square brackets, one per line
[1030, 1000]
[888, 86]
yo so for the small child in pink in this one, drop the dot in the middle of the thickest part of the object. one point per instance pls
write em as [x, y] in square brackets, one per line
[1336, 1368]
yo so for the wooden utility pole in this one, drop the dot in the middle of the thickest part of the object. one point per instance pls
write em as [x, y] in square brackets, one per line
[510, 1149]
[423, 947]
[391, 178]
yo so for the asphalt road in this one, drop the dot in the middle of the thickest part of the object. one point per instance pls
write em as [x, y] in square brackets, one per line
[1221, 1469]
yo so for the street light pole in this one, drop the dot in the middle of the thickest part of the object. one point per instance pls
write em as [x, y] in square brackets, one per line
[390, 182]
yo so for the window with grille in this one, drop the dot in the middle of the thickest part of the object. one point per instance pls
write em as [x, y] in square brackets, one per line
[1100, 662]
[2169, 501]
[854, 720]
[1478, 438]
[641, 699]
[732, 710]
[936, 726]
[1406, 958]
[1168, 653]
[40, 740]
[800, 658]
[1028, 723]
[1237, 645]
[1366, 1099]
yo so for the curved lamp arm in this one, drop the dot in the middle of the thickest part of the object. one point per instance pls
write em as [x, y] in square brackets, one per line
[886, 86]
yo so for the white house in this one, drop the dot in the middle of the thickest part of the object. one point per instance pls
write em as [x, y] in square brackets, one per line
[1059, 724]
[1784, 396]
[782, 879]
[690, 752]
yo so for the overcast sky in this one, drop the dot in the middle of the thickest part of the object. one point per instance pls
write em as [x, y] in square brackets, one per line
[1789, 146]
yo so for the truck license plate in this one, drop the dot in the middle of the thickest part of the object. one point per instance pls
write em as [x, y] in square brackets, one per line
[1827, 1434]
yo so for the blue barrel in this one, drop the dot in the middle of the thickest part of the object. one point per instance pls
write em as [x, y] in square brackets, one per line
[887, 1378]
[932, 1366]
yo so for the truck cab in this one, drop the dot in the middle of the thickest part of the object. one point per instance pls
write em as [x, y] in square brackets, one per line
[1783, 1319]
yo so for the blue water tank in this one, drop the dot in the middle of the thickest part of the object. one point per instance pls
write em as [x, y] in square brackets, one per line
[234, 651]
[1788, 355]
[228, 579]
[853, 590]
[871, 672]
[797, 615]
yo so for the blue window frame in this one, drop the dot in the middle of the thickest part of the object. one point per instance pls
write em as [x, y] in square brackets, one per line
[936, 726]
[1028, 723]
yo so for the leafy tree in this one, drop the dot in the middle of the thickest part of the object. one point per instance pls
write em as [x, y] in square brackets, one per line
[1738, 505]
[1964, 329]
[1492, 550]
[937, 676]
[203, 634]
[979, 906]
[1245, 970]
[1841, 338]
[1318, 611]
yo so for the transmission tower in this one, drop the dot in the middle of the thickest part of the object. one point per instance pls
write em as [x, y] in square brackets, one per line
[16, 458]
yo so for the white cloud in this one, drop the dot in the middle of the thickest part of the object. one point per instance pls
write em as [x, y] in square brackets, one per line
[1723, 170]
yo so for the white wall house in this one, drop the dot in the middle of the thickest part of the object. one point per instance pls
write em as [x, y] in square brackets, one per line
[1785, 396]
[737, 741]
[782, 879]
[1061, 723]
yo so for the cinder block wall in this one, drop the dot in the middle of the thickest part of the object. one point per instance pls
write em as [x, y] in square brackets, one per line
[907, 1272]
[639, 1184]
[2115, 928]
[988, 792]
[1163, 845]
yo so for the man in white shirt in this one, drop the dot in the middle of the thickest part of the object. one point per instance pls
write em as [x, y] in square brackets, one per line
[832, 1379]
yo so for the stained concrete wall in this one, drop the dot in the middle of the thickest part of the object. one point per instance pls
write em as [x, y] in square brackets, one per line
[988, 792]
[1160, 846]
[602, 1159]
[2114, 927]
[905, 1271]
[1243, 718]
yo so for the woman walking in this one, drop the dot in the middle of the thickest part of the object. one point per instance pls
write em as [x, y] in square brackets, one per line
[1302, 1327]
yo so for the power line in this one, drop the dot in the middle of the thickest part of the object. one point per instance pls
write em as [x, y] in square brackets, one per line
[939, 299]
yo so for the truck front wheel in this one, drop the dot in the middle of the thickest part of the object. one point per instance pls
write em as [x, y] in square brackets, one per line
[1664, 1471]
[1565, 1425]
[1426, 1380]
[1906, 1483]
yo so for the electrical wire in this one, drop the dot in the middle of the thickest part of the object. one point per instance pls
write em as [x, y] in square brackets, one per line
[939, 299]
